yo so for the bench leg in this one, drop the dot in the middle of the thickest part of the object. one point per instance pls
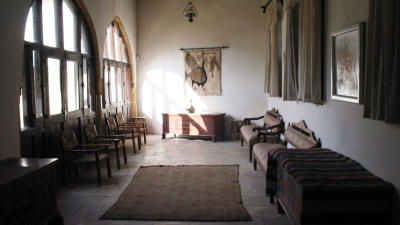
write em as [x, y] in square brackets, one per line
[251, 152]
[254, 164]
[280, 209]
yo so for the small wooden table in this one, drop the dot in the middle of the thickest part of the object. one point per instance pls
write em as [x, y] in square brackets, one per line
[191, 124]
[28, 191]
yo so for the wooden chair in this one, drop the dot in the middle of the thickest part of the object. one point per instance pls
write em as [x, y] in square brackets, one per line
[117, 141]
[271, 130]
[128, 132]
[141, 124]
[84, 154]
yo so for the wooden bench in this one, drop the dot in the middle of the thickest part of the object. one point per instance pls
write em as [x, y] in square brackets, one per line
[296, 134]
[270, 131]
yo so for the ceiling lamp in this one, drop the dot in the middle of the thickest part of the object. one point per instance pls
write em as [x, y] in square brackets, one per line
[190, 11]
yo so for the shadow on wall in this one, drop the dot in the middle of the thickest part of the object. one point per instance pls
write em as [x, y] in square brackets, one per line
[166, 92]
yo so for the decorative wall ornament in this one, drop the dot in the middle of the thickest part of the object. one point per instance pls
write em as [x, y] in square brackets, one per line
[203, 70]
[347, 63]
[190, 11]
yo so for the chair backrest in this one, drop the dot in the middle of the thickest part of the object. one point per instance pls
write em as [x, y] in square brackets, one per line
[273, 118]
[68, 140]
[120, 118]
[111, 123]
[90, 131]
[298, 135]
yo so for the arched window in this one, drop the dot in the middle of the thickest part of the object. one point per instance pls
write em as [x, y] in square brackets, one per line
[117, 72]
[57, 72]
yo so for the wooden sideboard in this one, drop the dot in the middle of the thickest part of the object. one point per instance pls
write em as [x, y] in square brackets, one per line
[28, 192]
[190, 124]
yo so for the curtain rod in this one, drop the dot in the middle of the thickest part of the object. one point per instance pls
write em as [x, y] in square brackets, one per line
[264, 7]
[220, 47]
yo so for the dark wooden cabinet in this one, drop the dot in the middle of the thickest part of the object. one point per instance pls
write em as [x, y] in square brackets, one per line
[208, 125]
[28, 192]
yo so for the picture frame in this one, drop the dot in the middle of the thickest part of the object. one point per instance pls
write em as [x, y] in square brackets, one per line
[347, 69]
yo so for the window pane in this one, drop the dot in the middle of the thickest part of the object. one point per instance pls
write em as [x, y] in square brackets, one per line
[118, 82]
[106, 84]
[49, 24]
[55, 101]
[69, 25]
[23, 105]
[29, 33]
[21, 111]
[127, 85]
[72, 86]
[113, 90]
[124, 56]
[37, 84]
[110, 46]
[85, 84]
[117, 44]
[84, 41]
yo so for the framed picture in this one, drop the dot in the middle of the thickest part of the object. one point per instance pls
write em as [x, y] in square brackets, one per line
[348, 64]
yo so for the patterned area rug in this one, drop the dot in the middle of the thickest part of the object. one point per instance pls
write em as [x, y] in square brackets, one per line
[182, 193]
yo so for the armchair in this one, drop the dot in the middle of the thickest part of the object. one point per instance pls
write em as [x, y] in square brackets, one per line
[271, 130]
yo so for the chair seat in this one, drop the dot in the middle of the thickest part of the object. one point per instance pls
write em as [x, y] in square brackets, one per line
[260, 152]
[248, 134]
[87, 158]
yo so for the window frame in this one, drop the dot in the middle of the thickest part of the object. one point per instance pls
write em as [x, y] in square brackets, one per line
[44, 52]
[109, 62]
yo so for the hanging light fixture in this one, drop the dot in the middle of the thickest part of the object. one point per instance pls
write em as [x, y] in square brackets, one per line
[190, 11]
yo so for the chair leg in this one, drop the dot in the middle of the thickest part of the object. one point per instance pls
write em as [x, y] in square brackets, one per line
[139, 139]
[124, 153]
[144, 137]
[254, 164]
[98, 170]
[108, 167]
[117, 155]
[76, 171]
[134, 144]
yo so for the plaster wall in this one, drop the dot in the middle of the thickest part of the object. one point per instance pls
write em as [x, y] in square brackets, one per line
[163, 29]
[340, 125]
[12, 24]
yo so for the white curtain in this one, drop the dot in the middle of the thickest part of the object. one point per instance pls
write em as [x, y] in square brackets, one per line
[311, 58]
[302, 50]
[290, 50]
[272, 62]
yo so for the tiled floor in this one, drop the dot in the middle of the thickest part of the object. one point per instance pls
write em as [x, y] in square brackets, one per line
[82, 202]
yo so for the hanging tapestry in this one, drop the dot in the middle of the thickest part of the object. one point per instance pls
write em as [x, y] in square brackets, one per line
[203, 71]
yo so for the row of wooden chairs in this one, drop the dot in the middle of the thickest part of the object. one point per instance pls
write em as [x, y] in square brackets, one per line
[99, 147]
